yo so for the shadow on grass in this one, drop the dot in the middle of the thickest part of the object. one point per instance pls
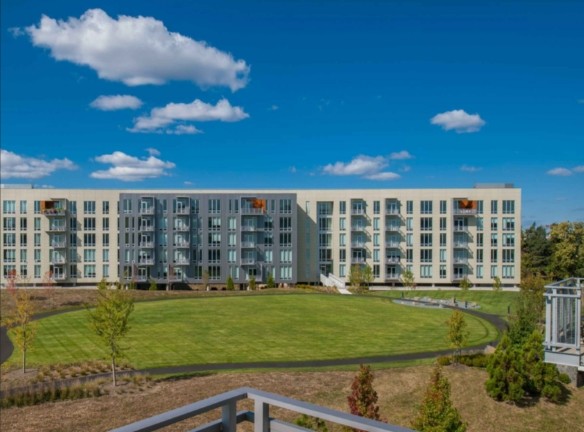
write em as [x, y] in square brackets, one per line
[184, 376]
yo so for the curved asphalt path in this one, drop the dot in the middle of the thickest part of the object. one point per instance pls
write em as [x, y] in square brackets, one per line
[6, 349]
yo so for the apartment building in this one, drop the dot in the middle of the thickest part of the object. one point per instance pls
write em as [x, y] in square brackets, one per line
[78, 237]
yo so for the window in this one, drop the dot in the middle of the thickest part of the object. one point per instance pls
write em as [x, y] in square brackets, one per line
[376, 271]
[269, 256]
[89, 255]
[425, 271]
[214, 206]
[105, 270]
[23, 239]
[494, 224]
[508, 206]
[286, 223]
[508, 255]
[409, 255]
[286, 255]
[508, 224]
[37, 224]
[214, 239]
[426, 239]
[410, 224]
[89, 224]
[23, 206]
[493, 271]
[376, 224]
[214, 256]
[376, 239]
[342, 270]
[214, 223]
[105, 224]
[268, 239]
[105, 255]
[324, 239]
[442, 224]
[376, 255]
[37, 239]
[342, 207]
[342, 239]
[426, 224]
[426, 207]
[231, 256]
[10, 239]
[342, 255]
[342, 224]
[9, 255]
[493, 206]
[480, 239]
[425, 255]
[494, 240]
[376, 207]
[89, 271]
[480, 206]
[494, 255]
[23, 224]
[9, 207]
[9, 223]
[232, 223]
[409, 207]
[286, 272]
[479, 223]
[89, 208]
[442, 271]
[105, 205]
[479, 255]
[442, 255]
[23, 256]
[285, 206]
[443, 207]
[409, 239]
[442, 239]
[508, 240]
[508, 272]
[286, 239]
[104, 239]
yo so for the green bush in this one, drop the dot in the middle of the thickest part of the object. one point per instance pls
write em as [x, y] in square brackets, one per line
[444, 360]
[564, 378]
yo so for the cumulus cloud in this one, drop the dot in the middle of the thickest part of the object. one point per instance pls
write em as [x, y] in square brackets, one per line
[469, 168]
[274, 108]
[129, 168]
[137, 51]
[562, 172]
[368, 167]
[459, 120]
[13, 165]
[565, 172]
[116, 102]
[197, 110]
[401, 155]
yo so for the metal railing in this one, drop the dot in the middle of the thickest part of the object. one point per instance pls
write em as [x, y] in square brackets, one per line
[260, 417]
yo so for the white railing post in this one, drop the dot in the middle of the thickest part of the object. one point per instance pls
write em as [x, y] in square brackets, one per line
[261, 416]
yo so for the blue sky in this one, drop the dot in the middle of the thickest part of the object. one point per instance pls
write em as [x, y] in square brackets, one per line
[297, 94]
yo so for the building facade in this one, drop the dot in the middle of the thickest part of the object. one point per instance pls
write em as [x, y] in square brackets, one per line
[443, 236]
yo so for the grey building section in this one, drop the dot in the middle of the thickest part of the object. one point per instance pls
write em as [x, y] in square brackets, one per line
[170, 237]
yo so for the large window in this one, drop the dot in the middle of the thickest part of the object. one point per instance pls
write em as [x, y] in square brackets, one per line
[9, 206]
[426, 224]
[426, 207]
[285, 206]
[214, 206]
[89, 208]
[508, 206]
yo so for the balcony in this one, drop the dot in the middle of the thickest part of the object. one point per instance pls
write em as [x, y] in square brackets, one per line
[146, 245]
[147, 228]
[358, 245]
[182, 261]
[146, 261]
[248, 245]
[260, 419]
[58, 244]
[55, 212]
[181, 228]
[182, 245]
[248, 261]
[252, 211]
[392, 211]
[393, 227]
[393, 245]
[147, 210]
[464, 211]
[358, 260]
[182, 211]
[57, 228]
[460, 228]
[392, 277]
[58, 260]
[458, 277]
[59, 276]
[460, 245]
[251, 228]
[357, 228]
[392, 260]
[358, 212]
[459, 260]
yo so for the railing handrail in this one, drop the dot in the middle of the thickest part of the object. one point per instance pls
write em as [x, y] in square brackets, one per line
[263, 423]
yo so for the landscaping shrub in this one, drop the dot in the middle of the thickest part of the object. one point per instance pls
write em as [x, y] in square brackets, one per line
[444, 360]
[564, 378]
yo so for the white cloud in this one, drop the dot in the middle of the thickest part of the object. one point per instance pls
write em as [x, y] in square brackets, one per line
[152, 151]
[16, 31]
[562, 172]
[274, 108]
[459, 120]
[137, 51]
[401, 155]
[16, 166]
[469, 168]
[366, 166]
[197, 110]
[182, 129]
[188, 183]
[579, 169]
[130, 168]
[116, 102]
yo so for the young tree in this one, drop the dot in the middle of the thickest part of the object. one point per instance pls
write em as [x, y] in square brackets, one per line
[535, 251]
[252, 283]
[505, 382]
[465, 284]
[367, 273]
[153, 286]
[540, 378]
[528, 311]
[271, 283]
[205, 279]
[49, 287]
[356, 276]
[363, 398]
[436, 413]
[20, 321]
[408, 279]
[110, 321]
[457, 332]
[497, 285]
[567, 250]
[230, 285]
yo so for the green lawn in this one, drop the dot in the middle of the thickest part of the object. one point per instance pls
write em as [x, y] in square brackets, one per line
[258, 328]
[490, 301]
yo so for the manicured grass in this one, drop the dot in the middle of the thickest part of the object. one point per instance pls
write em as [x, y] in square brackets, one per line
[492, 302]
[259, 328]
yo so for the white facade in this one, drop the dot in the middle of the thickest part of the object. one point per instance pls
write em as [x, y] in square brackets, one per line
[442, 235]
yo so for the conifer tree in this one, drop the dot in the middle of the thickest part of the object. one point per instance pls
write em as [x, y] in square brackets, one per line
[506, 381]
[436, 413]
[363, 398]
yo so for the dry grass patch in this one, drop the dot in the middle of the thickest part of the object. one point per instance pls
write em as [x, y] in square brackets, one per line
[399, 391]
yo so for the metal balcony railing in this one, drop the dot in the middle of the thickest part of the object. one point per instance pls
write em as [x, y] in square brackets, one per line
[260, 417]
[146, 210]
[459, 211]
